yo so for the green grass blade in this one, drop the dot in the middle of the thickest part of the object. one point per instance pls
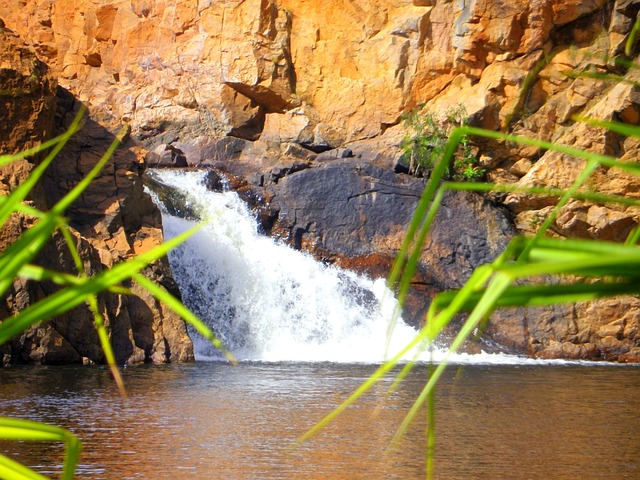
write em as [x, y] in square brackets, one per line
[484, 308]
[424, 335]
[605, 160]
[590, 167]
[70, 197]
[405, 265]
[617, 127]
[37, 273]
[431, 429]
[437, 320]
[374, 378]
[631, 40]
[17, 429]
[73, 128]
[105, 344]
[594, 197]
[411, 264]
[98, 319]
[634, 237]
[12, 470]
[27, 210]
[23, 250]
[596, 266]
[18, 433]
[27, 247]
[22, 191]
[422, 208]
[29, 426]
[597, 247]
[543, 294]
[608, 77]
[71, 246]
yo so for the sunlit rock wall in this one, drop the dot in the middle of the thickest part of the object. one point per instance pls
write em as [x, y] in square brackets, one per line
[111, 221]
[325, 74]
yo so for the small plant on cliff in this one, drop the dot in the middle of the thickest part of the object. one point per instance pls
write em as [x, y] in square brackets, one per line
[15, 262]
[425, 140]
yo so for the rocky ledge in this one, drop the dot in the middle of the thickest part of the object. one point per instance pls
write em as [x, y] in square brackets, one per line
[345, 209]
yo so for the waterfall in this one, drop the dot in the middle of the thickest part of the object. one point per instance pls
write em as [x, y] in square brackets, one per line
[265, 300]
[268, 302]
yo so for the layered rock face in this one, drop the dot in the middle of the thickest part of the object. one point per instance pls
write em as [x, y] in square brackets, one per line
[344, 70]
[112, 220]
[258, 84]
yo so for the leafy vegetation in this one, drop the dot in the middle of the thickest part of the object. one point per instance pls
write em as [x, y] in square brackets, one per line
[15, 262]
[425, 140]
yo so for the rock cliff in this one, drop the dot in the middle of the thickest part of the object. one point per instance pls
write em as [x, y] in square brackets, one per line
[257, 84]
[112, 220]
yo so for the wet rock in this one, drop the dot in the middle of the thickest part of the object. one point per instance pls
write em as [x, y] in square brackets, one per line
[354, 213]
[166, 156]
[203, 151]
[344, 206]
[334, 154]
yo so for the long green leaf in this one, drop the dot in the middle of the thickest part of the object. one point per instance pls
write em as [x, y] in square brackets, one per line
[37, 273]
[25, 249]
[18, 429]
[12, 470]
[73, 128]
[72, 195]
[609, 77]
[543, 294]
[631, 40]
[22, 191]
[594, 197]
[485, 307]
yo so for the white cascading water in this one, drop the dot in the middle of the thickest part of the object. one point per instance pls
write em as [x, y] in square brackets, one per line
[266, 301]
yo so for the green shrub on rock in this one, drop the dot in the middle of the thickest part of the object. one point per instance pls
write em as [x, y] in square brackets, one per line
[424, 143]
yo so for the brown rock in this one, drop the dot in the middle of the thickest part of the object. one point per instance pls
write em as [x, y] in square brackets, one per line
[521, 167]
[112, 219]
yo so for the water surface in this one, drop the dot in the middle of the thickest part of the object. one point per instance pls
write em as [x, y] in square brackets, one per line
[215, 421]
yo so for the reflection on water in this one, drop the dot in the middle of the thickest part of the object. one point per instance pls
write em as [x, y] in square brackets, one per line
[214, 421]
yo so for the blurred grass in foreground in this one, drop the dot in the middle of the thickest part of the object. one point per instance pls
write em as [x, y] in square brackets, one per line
[581, 269]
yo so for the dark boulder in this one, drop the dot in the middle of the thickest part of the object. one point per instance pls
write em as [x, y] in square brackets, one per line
[355, 214]
[350, 208]
[355, 209]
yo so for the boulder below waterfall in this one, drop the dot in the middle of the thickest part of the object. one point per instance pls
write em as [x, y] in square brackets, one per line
[354, 209]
